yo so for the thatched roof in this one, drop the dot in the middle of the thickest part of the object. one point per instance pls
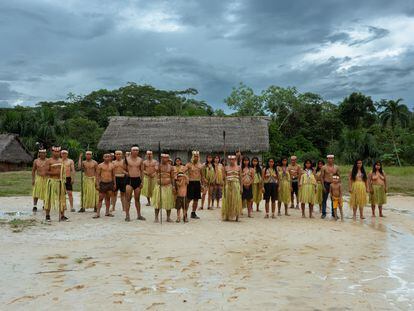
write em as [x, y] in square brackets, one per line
[12, 150]
[249, 134]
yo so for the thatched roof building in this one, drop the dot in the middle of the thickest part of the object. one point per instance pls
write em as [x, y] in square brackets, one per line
[180, 135]
[13, 154]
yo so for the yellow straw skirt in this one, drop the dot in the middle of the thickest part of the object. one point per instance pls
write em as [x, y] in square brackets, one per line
[319, 194]
[90, 194]
[55, 198]
[148, 186]
[378, 196]
[39, 188]
[284, 192]
[257, 193]
[166, 196]
[307, 194]
[232, 201]
[358, 194]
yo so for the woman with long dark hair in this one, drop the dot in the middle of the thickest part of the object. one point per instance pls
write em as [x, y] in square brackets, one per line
[319, 188]
[270, 181]
[307, 188]
[247, 176]
[378, 188]
[257, 183]
[219, 180]
[285, 186]
[358, 187]
[208, 176]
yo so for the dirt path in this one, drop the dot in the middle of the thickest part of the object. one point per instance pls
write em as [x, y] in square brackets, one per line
[287, 263]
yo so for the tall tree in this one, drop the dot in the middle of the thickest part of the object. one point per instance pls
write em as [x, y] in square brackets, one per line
[394, 114]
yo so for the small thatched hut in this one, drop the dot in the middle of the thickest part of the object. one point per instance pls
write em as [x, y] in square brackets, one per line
[13, 155]
[180, 135]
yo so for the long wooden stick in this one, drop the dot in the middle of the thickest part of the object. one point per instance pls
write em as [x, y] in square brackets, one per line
[159, 176]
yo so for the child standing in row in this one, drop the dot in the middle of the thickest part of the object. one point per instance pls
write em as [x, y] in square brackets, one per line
[336, 196]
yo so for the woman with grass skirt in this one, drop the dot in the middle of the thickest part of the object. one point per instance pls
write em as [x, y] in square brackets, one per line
[208, 177]
[319, 187]
[378, 188]
[232, 200]
[257, 183]
[307, 188]
[285, 186]
[358, 187]
[219, 181]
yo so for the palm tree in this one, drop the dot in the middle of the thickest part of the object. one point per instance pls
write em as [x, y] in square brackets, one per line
[394, 114]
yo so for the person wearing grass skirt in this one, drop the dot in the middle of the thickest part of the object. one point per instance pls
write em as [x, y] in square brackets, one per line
[378, 188]
[150, 178]
[358, 187]
[257, 183]
[307, 188]
[55, 197]
[163, 193]
[90, 195]
[39, 178]
[285, 186]
[232, 200]
[319, 187]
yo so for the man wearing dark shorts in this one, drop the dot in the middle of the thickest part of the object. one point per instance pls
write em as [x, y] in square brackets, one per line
[135, 170]
[194, 186]
[105, 184]
[120, 179]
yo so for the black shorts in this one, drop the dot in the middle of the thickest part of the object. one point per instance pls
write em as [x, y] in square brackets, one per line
[270, 191]
[247, 194]
[194, 190]
[120, 184]
[105, 187]
[295, 186]
[68, 184]
[134, 182]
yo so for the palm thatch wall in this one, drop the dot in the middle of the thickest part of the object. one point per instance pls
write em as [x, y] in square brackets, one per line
[13, 155]
[183, 134]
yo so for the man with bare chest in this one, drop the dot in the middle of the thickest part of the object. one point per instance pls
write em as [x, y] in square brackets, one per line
[327, 173]
[149, 177]
[163, 196]
[39, 178]
[70, 176]
[89, 194]
[105, 184]
[135, 170]
[194, 186]
[294, 171]
[55, 187]
[120, 179]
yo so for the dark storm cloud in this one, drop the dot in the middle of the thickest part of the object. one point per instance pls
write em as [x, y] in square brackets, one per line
[50, 48]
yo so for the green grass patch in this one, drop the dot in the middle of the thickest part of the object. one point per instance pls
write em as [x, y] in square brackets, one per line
[18, 225]
[20, 183]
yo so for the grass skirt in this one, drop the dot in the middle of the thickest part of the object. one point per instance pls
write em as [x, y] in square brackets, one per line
[167, 197]
[232, 202]
[307, 194]
[358, 194]
[39, 188]
[284, 191]
[319, 194]
[378, 195]
[89, 194]
[257, 193]
[55, 198]
[148, 186]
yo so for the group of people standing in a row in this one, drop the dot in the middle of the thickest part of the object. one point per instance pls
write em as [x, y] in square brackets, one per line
[238, 182]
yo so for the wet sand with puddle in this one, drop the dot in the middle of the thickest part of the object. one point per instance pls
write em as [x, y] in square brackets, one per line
[288, 263]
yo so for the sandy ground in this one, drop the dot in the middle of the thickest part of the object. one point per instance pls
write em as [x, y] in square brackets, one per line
[288, 263]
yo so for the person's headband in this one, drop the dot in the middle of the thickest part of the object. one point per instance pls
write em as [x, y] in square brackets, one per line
[42, 151]
[134, 149]
[88, 152]
[232, 157]
[330, 156]
[196, 152]
[165, 155]
[64, 152]
[56, 148]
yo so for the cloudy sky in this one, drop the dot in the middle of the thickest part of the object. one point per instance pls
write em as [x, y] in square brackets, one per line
[333, 47]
